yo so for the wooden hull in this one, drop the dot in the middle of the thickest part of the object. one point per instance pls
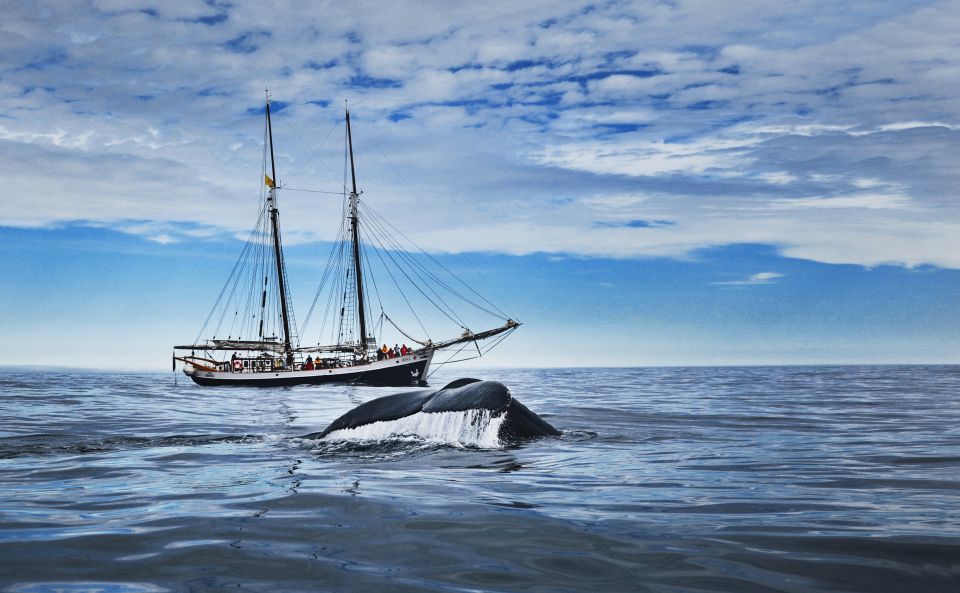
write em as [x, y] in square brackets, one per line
[394, 372]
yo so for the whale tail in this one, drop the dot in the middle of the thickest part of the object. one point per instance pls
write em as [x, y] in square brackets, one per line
[467, 411]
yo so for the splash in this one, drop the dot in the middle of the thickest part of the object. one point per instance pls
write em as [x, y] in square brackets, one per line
[469, 428]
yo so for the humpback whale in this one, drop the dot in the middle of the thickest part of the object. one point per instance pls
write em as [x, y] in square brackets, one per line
[476, 412]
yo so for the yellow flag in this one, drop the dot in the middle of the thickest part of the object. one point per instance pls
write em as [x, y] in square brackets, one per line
[268, 181]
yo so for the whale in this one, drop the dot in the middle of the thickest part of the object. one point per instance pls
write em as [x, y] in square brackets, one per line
[467, 410]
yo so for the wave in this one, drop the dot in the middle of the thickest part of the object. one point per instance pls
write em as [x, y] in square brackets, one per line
[68, 444]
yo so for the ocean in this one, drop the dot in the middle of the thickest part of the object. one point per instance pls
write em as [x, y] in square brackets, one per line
[740, 479]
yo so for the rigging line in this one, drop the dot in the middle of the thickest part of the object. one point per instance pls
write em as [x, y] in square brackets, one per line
[459, 360]
[240, 307]
[234, 277]
[263, 269]
[479, 355]
[383, 250]
[337, 285]
[327, 275]
[336, 124]
[345, 271]
[485, 281]
[500, 339]
[347, 294]
[409, 337]
[263, 162]
[379, 329]
[374, 216]
[367, 312]
[400, 290]
[406, 258]
[414, 265]
[330, 311]
[448, 360]
[323, 280]
[389, 162]
[248, 320]
[291, 317]
[256, 286]
[376, 225]
[233, 302]
[312, 191]
[266, 268]
[499, 313]
[216, 303]
[371, 277]
[424, 208]
[334, 290]
[486, 350]
[470, 288]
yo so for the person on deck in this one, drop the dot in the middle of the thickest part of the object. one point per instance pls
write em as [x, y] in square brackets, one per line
[308, 366]
[396, 351]
[403, 350]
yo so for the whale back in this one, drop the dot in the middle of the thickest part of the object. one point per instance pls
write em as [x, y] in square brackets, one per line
[476, 395]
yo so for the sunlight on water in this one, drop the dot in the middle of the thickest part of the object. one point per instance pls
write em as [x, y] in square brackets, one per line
[471, 428]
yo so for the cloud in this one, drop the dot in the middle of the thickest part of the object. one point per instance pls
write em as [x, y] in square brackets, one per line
[753, 279]
[865, 200]
[828, 131]
[636, 223]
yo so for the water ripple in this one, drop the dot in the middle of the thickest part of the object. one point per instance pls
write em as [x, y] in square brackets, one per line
[798, 479]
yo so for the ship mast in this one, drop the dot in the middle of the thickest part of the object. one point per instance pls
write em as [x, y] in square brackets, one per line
[355, 232]
[277, 250]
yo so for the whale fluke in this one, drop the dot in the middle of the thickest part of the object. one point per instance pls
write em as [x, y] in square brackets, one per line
[465, 410]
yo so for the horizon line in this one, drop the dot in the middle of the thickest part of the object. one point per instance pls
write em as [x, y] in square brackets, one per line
[153, 370]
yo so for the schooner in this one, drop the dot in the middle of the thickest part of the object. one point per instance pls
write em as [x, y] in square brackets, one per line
[262, 347]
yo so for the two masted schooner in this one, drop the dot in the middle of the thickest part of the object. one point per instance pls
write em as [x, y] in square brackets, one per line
[261, 345]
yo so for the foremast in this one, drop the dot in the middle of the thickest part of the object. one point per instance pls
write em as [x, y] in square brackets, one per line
[355, 237]
[277, 247]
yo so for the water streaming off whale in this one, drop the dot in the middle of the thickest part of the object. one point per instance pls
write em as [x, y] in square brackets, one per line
[474, 428]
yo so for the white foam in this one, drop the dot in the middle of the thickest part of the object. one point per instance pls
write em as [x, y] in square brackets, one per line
[471, 428]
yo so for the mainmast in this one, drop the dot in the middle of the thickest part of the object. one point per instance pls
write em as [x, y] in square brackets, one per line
[277, 250]
[355, 232]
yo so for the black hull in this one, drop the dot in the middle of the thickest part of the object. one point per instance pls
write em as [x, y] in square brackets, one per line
[394, 376]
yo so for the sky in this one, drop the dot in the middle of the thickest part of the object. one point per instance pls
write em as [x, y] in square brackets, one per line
[639, 183]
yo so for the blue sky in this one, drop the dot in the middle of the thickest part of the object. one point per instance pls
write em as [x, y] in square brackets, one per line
[640, 183]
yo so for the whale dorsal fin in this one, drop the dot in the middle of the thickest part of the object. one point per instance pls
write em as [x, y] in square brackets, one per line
[459, 383]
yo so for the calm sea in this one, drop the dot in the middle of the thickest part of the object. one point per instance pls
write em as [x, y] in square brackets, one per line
[796, 479]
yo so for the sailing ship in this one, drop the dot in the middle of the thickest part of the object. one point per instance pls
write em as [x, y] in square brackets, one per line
[262, 347]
